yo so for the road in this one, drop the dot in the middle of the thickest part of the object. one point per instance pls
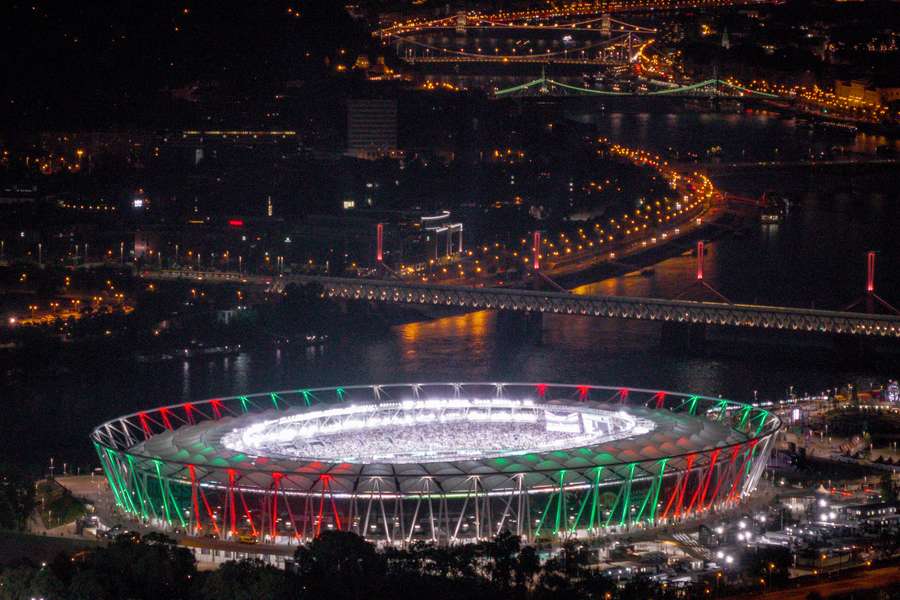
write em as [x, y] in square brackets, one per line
[866, 580]
[712, 167]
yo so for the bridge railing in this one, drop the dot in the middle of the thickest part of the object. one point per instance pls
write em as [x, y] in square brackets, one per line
[654, 309]
[622, 307]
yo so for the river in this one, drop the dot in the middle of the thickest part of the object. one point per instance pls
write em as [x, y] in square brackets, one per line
[816, 256]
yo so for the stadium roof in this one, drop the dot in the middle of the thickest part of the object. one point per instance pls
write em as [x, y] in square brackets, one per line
[677, 437]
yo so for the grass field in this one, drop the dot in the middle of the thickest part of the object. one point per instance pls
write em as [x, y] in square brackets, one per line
[57, 505]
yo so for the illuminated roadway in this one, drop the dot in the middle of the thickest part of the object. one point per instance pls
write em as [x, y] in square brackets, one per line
[863, 580]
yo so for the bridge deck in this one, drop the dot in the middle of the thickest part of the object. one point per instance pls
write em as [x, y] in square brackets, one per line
[616, 307]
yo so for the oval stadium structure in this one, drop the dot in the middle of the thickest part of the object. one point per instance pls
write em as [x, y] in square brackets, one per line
[445, 462]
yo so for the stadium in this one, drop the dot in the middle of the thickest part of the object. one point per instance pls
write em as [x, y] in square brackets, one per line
[441, 462]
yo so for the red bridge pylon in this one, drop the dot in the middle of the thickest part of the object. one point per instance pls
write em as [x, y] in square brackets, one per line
[699, 281]
[871, 298]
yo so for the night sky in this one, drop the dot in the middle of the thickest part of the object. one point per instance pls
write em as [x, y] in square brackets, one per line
[112, 63]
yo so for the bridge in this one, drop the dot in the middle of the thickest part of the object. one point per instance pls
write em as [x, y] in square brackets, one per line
[554, 16]
[619, 50]
[709, 88]
[558, 302]
[602, 40]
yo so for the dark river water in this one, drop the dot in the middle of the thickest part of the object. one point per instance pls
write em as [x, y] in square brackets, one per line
[816, 256]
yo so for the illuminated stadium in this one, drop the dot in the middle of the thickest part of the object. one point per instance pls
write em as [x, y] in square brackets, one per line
[445, 462]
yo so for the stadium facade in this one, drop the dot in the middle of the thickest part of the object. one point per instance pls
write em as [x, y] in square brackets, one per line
[445, 462]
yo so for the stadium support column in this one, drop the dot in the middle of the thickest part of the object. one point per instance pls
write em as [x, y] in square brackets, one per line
[478, 511]
[673, 495]
[573, 527]
[107, 469]
[679, 506]
[230, 504]
[209, 511]
[506, 510]
[595, 497]
[745, 466]
[387, 529]
[141, 483]
[626, 505]
[276, 480]
[721, 477]
[758, 467]
[527, 516]
[365, 522]
[287, 504]
[162, 491]
[445, 510]
[195, 500]
[462, 512]
[175, 507]
[307, 512]
[540, 523]
[434, 537]
[560, 502]
[415, 515]
[659, 484]
[615, 504]
[714, 457]
[398, 515]
[321, 512]
[247, 514]
[352, 510]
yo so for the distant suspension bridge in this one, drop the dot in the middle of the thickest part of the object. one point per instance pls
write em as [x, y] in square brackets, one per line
[708, 88]
[602, 40]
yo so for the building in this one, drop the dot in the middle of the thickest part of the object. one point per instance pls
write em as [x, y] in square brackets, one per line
[410, 238]
[827, 559]
[865, 90]
[870, 511]
[371, 128]
[213, 552]
[146, 244]
[443, 238]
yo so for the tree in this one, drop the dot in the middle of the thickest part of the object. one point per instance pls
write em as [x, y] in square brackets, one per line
[246, 580]
[771, 563]
[502, 553]
[888, 490]
[16, 498]
[148, 569]
[26, 581]
[527, 566]
[338, 565]
[569, 575]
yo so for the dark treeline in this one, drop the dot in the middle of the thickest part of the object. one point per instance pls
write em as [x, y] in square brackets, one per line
[342, 566]
[335, 566]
